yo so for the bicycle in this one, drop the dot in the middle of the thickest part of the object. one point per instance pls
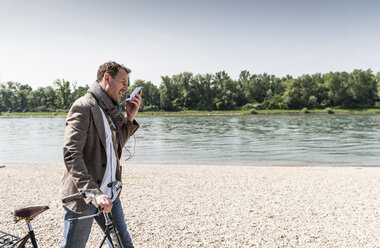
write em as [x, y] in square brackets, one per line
[110, 229]
[28, 213]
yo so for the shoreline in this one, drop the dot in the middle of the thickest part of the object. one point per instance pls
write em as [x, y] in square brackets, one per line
[255, 164]
[212, 113]
[216, 206]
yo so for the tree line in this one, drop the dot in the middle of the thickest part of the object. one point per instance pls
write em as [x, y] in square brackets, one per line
[186, 91]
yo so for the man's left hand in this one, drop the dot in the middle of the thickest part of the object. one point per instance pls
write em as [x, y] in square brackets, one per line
[132, 107]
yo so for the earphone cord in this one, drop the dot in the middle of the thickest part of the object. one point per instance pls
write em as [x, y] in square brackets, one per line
[134, 145]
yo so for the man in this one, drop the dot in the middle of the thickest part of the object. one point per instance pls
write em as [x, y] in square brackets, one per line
[96, 131]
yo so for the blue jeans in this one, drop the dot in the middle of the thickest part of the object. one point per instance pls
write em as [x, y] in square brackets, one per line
[76, 233]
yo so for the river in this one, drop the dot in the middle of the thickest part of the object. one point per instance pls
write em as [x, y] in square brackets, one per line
[315, 140]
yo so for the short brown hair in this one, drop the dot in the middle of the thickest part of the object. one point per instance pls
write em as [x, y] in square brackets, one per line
[112, 68]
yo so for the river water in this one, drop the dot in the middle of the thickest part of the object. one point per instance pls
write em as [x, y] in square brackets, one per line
[315, 140]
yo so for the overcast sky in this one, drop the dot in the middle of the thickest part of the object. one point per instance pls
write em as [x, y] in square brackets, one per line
[41, 41]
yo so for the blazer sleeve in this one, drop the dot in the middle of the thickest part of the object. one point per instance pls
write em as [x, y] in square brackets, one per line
[75, 138]
[127, 131]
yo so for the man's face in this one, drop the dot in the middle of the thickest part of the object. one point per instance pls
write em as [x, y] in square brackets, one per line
[117, 85]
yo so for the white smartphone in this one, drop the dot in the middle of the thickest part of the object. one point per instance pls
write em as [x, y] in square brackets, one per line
[133, 94]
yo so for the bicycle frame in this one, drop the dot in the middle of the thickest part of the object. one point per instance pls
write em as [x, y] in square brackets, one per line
[27, 213]
[110, 230]
[9, 240]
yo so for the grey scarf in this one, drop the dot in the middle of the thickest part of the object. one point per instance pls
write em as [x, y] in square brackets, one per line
[112, 108]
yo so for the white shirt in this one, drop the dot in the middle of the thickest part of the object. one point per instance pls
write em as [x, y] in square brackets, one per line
[110, 173]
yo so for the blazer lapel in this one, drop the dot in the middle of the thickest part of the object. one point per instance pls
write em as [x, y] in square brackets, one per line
[98, 120]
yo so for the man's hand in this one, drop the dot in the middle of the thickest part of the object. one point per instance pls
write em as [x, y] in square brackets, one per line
[104, 201]
[132, 107]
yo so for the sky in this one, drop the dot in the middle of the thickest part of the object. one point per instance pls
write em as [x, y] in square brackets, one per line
[45, 40]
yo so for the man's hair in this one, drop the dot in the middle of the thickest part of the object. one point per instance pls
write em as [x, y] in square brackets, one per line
[112, 68]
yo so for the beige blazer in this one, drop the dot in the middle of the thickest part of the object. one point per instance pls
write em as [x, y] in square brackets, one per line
[84, 150]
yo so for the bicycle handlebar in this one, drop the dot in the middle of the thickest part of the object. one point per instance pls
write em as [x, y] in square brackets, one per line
[110, 230]
[116, 185]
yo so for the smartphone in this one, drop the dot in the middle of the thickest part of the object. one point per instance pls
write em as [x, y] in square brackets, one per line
[133, 94]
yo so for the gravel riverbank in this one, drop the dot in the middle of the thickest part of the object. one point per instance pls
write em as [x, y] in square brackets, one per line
[216, 206]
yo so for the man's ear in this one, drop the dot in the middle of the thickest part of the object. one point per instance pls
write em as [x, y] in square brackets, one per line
[106, 77]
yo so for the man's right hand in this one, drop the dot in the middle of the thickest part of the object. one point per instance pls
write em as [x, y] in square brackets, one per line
[132, 107]
[104, 201]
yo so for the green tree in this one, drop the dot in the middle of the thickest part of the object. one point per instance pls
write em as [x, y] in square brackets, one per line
[202, 93]
[258, 88]
[78, 92]
[7, 98]
[302, 91]
[13, 96]
[245, 82]
[226, 91]
[358, 89]
[337, 88]
[274, 91]
[378, 85]
[181, 84]
[293, 95]
[37, 100]
[63, 94]
[50, 99]
[167, 95]
[362, 87]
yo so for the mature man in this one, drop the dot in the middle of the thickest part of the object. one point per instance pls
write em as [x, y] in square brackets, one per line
[96, 131]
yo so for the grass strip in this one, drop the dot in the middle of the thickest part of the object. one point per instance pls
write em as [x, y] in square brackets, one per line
[205, 113]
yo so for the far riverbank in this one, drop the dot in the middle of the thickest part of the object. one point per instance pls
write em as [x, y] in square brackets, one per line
[205, 113]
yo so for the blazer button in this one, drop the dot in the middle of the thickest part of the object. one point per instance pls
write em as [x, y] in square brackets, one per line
[98, 181]
[103, 165]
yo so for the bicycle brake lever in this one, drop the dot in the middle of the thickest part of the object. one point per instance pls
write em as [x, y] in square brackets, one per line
[85, 217]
